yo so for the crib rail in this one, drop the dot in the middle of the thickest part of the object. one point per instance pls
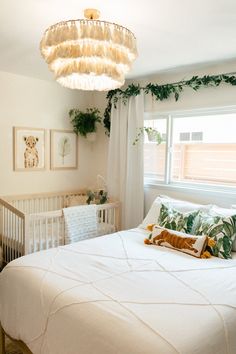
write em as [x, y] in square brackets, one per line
[12, 232]
[108, 218]
[22, 233]
[45, 230]
[36, 203]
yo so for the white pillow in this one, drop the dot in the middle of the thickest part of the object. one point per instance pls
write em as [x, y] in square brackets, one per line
[225, 212]
[180, 205]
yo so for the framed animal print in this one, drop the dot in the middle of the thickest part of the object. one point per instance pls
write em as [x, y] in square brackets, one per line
[64, 150]
[29, 149]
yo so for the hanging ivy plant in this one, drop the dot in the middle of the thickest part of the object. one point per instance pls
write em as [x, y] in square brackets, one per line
[162, 92]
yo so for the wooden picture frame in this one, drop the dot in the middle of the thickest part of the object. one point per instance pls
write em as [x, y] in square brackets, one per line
[64, 150]
[29, 149]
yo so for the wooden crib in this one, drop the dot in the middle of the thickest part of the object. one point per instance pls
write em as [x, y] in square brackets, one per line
[31, 223]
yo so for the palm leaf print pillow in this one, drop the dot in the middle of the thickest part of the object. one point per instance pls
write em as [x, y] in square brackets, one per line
[173, 219]
[222, 229]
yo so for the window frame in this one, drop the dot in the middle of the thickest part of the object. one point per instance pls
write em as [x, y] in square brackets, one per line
[167, 183]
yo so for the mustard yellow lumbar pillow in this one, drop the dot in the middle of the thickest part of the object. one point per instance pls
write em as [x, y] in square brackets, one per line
[190, 244]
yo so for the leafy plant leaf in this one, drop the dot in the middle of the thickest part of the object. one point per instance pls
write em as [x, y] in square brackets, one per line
[163, 92]
[84, 122]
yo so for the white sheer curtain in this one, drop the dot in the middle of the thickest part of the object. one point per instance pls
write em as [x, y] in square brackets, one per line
[125, 160]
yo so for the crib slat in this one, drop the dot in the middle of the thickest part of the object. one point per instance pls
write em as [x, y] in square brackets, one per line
[46, 232]
[50, 232]
[58, 231]
[8, 238]
[4, 232]
[26, 234]
[40, 234]
[33, 247]
[18, 239]
[11, 235]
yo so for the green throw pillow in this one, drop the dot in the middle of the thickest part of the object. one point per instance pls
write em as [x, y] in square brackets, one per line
[221, 228]
[173, 219]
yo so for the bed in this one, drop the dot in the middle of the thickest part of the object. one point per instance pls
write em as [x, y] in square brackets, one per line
[113, 295]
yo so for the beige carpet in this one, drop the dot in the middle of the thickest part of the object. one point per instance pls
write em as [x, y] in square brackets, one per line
[10, 348]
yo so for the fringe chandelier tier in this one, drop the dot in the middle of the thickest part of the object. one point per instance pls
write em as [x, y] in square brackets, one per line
[89, 54]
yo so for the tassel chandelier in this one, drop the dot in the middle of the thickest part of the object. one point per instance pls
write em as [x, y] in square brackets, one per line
[89, 54]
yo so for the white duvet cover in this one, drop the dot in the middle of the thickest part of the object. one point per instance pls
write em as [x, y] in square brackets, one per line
[115, 295]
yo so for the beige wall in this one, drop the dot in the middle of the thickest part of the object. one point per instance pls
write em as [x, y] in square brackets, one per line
[98, 100]
[29, 102]
[37, 103]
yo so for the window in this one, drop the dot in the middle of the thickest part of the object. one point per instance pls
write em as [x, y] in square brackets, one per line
[197, 136]
[201, 149]
[155, 155]
[184, 136]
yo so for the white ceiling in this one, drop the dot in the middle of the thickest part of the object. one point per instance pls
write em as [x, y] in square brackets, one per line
[170, 33]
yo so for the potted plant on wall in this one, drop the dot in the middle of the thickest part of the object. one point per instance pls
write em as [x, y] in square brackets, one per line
[153, 135]
[85, 123]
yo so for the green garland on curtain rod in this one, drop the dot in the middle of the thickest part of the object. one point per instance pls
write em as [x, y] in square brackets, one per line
[163, 92]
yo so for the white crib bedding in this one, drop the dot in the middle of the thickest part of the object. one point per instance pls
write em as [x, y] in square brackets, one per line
[42, 237]
[39, 241]
[45, 236]
[105, 228]
[53, 236]
[115, 295]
